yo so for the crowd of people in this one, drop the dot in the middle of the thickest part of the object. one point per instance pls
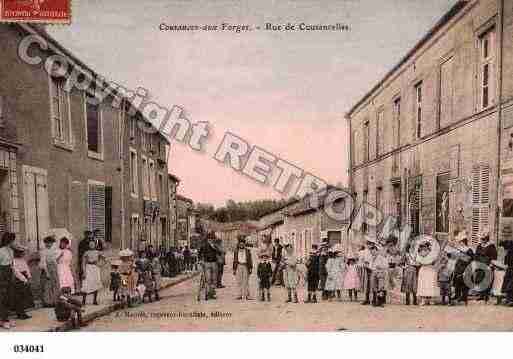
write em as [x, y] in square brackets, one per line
[424, 273]
[134, 277]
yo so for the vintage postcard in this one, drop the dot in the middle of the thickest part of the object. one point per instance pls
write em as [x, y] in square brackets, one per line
[256, 166]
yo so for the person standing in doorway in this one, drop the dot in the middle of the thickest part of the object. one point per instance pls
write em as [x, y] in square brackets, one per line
[242, 268]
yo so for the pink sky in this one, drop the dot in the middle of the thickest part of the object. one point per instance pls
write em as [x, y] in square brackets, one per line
[286, 92]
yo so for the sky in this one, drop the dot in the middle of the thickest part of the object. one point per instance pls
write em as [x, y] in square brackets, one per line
[286, 92]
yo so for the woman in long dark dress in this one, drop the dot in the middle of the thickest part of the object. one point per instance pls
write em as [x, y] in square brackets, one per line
[507, 285]
[21, 295]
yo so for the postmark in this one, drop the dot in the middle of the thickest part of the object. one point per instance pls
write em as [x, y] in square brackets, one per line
[37, 11]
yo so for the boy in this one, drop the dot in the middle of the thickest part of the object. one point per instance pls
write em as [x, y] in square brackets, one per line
[115, 279]
[264, 273]
[444, 281]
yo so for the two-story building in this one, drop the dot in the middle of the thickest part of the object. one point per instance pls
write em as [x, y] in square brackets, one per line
[71, 160]
[430, 143]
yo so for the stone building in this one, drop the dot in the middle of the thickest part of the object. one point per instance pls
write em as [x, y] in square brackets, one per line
[229, 233]
[431, 142]
[302, 224]
[69, 160]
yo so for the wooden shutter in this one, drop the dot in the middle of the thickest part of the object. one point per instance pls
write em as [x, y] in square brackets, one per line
[97, 209]
[37, 216]
[108, 214]
[480, 200]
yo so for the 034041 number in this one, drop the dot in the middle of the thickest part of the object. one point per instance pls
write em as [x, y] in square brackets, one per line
[28, 348]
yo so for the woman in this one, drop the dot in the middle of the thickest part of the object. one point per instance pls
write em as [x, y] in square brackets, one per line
[427, 287]
[92, 281]
[21, 296]
[6, 278]
[290, 273]
[335, 268]
[64, 261]
[49, 275]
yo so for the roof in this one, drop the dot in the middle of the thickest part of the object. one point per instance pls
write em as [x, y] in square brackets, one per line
[56, 47]
[184, 199]
[174, 178]
[455, 10]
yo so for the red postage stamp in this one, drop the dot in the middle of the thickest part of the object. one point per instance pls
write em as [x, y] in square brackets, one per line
[43, 11]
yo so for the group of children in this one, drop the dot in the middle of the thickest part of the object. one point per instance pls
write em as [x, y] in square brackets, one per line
[327, 271]
[134, 280]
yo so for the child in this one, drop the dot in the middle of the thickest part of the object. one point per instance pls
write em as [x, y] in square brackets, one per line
[444, 278]
[115, 280]
[129, 276]
[335, 268]
[156, 271]
[68, 308]
[351, 279]
[499, 272]
[264, 273]
[312, 274]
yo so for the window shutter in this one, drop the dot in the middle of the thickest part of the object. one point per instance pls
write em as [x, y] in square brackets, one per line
[108, 214]
[97, 209]
[480, 200]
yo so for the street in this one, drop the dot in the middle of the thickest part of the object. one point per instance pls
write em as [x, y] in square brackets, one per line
[180, 311]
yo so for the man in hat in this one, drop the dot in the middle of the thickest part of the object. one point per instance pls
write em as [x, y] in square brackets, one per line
[264, 273]
[312, 274]
[323, 272]
[6, 277]
[208, 255]
[221, 261]
[486, 252]
[463, 259]
[242, 268]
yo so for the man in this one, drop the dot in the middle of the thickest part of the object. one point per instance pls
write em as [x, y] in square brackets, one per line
[276, 258]
[486, 252]
[364, 260]
[242, 268]
[378, 266]
[83, 247]
[208, 254]
[323, 272]
[312, 274]
[221, 261]
[6, 277]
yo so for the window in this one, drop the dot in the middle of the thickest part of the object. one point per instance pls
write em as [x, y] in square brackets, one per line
[415, 203]
[355, 148]
[97, 207]
[380, 138]
[418, 110]
[153, 190]
[364, 204]
[442, 203]
[487, 69]
[366, 141]
[379, 191]
[446, 93]
[163, 230]
[145, 178]
[94, 125]
[133, 173]
[143, 139]
[60, 111]
[397, 121]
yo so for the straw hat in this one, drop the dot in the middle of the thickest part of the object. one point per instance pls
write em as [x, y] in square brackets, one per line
[116, 262]
[126, 253]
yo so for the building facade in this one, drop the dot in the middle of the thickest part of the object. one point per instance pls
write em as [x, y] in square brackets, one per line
[429, 143]
[301, 224]
[184, 208]
[173, 183]
[69, 160]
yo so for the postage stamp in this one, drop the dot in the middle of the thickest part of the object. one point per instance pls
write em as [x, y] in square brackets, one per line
[42, 11]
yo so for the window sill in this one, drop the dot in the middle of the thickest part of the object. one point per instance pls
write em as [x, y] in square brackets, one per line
[95, 155]
[63, 145]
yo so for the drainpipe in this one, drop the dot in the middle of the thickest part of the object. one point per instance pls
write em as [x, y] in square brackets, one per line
[122, 172]
[500, 28]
